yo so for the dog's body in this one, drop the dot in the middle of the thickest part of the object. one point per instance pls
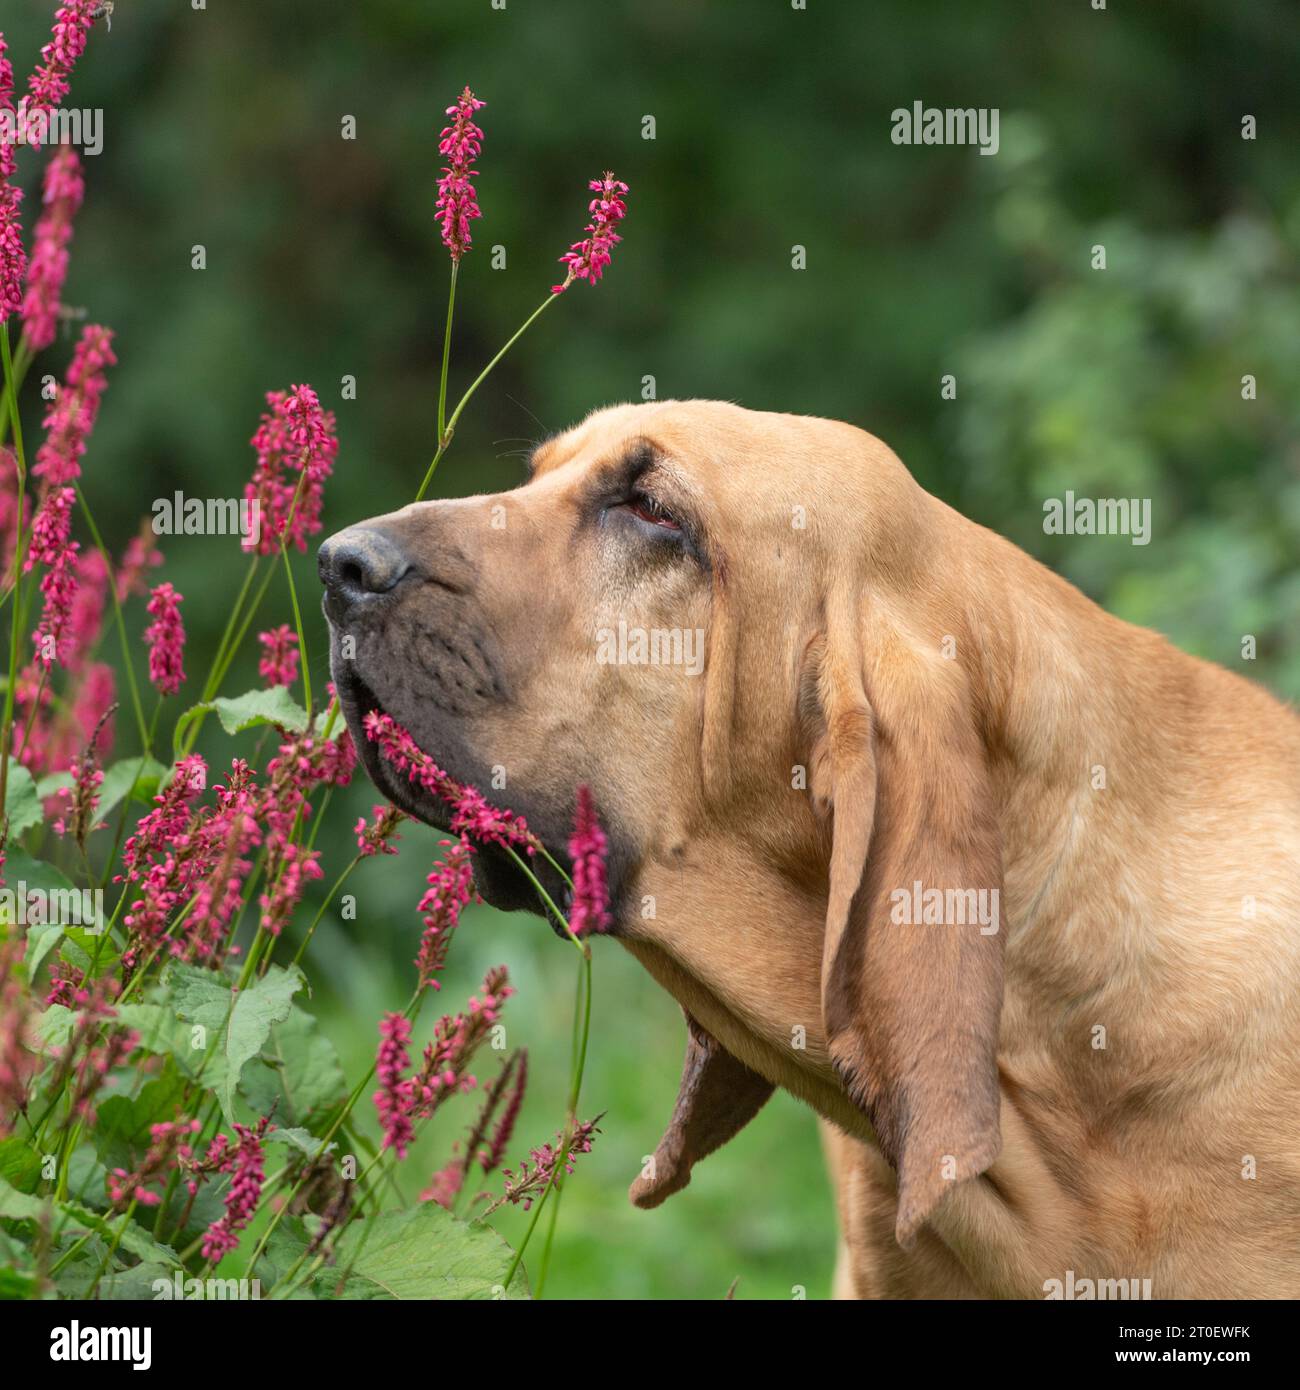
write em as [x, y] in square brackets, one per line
[1106, 1085]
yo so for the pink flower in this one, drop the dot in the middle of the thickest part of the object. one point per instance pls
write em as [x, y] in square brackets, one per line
[182, 853]
[63, 191]
[296, 447]
[17, 1062]
[587, 849]
[297, 867]
[450, 884]
[51, 529]
[223, 841]
[87, 615]
[456, 1038]
[170, 816]
[166, 639]
[13, 259]
[168, 1144]
[471, 814]
[279, 662]
[244, 1194]
[8, 508]
[457, 201]
[375, 839]
[32, 698]
[139, 556]
[82, 797]
[587, 259]
[49, 84]
[71, 416]
[59, 590]
[445, 1184]
[8, 159]
[92, 707]
[531, 1183]
[490, 1158]
[391, 1099]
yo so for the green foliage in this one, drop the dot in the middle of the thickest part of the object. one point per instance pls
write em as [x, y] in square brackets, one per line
[423, 1252]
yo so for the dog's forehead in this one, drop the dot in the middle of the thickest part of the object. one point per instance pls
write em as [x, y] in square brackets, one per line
[711, 441]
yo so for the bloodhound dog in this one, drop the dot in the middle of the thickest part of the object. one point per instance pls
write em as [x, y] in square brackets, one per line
[1006, 889]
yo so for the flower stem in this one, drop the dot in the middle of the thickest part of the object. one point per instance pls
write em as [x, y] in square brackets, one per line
[146, 740]
[297, 620]
[445, 434]
[446, 351]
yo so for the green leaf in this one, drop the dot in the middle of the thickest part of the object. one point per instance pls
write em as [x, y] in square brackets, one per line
[299, 1138]
[22, 803]
[258, 1008]
[122, 1123]
[422, 1253]
[22, 875]
[146, 773]
[18, 1206]
[236, 1024]
[55, 782]
[16, 1286]
[310, 1074]
[55, 1027]
[162, 1031]
[284, 1250]
[137, 1283]
[41, 940]
[80, 947]
[134, 1240]
[86, 1178]
[20, 1164]
[249, 711]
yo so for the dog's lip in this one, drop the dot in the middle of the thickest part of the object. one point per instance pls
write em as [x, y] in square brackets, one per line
[359, 700]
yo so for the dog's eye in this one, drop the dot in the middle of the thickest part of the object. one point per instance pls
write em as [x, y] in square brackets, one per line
[652, 511]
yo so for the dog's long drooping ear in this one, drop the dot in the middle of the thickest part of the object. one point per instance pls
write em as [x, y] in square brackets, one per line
[717, 1098]
[912, 959]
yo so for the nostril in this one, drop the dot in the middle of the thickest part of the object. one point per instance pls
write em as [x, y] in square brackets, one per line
[361, 562]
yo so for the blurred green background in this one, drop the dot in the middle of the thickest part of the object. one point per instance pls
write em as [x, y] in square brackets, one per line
[1119, 127]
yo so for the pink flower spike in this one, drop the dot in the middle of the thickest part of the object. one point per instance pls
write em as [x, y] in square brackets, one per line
[588, 848]
[587, 259]
[13, 258]
[279, 663]
[392, 1099]
[140, 556]
[71, 416]
[450, 885]
[166, 639]
[59, 590]
[296, 447]
[457, 203]
[244, 1194]
[51, 529]
[49, 85]
[472, 816]
[63, 191]
[376, 839]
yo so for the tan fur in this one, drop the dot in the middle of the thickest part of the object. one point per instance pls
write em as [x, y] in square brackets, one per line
[1125, 909]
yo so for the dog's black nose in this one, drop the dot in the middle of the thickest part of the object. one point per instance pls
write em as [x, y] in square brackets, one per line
[358, 564]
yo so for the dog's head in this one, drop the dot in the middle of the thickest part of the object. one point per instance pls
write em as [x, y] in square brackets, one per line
[734, 628]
